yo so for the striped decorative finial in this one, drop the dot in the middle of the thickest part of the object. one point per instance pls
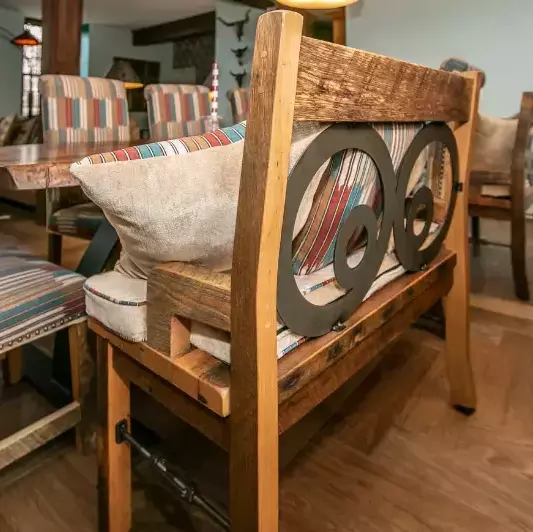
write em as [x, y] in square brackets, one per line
[214, 97]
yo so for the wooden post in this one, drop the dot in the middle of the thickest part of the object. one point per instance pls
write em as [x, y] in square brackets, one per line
[338, 17]
[61, 36]
[254, 386]
[457, 303]
[114, 460]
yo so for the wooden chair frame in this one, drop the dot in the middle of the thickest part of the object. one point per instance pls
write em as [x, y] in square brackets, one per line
[512, 208]
[74, 415]
[294, 78]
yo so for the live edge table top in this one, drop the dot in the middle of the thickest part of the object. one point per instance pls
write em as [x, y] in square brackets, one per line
[36, 166]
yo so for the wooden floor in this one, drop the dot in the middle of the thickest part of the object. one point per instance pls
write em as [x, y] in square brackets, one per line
[395, 459]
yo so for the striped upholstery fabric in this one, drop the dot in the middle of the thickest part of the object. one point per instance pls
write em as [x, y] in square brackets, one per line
[218, 137]
[79, 109]
[36, 298]
[176, 111]
[350, 179]
[453, 64]
[240, 104]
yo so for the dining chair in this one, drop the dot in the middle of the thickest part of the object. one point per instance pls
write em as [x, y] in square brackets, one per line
[277, 344]
[239, 100]
[79, 110]
[38, 299]
[177, 110]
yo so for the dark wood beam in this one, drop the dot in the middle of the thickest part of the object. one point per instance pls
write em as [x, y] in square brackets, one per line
[175, 30]
[61, 36]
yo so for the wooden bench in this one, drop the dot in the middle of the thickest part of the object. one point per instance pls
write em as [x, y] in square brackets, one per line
[244, 408]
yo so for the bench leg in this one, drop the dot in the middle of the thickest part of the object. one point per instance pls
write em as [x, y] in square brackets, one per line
[518, 255]
[114, 460]
[476, 238]
[14, 366]
[55, 242]
[83, 386]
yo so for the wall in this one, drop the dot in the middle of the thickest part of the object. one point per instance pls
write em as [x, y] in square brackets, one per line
[225, 40]
[10, 63]
[492, 35]
[106, 42]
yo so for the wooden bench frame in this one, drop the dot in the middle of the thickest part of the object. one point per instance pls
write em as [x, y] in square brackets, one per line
[293, 78]
[512, 208]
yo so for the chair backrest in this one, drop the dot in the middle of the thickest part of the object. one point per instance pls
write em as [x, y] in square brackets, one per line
[176, 111]
[76, 109]
[299, 79]
[240, 103]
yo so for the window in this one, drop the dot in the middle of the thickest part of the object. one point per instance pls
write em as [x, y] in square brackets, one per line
[31, 71]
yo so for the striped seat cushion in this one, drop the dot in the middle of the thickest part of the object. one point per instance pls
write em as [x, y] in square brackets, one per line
[36, 298]
[177, 110]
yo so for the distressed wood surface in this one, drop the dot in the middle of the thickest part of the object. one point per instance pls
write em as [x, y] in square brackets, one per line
[37, 434]
[254, 412]
[319, 389]
[37, 166]
[114, 460]
[339, 84]
[82, 367]
[208, 423]
[197, 374]
[189, 292]
[457, 303]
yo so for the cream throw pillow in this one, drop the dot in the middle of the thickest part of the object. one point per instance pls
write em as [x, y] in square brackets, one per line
[179, 207]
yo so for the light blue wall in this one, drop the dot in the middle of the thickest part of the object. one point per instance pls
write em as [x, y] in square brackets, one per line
[493, 35]
[106, 42]
[225, 40]
[10, 63]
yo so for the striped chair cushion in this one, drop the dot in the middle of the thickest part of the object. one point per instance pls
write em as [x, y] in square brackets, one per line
[79, 109]
[348, 180]
[36, 298]
[177, 110]
[240, 103]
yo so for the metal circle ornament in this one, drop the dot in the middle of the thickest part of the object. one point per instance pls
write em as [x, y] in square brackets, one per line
[308, 319]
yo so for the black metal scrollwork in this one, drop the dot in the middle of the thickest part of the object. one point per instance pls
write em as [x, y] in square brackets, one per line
[311, 320]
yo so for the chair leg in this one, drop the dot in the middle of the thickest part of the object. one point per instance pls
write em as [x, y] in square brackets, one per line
[14, 366]
[114, 459]
[518, 255]
[476, 238]
[54, 248]
[83, 386]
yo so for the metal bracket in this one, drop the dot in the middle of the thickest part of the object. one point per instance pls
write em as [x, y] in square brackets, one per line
[458, 187]
[186, 490]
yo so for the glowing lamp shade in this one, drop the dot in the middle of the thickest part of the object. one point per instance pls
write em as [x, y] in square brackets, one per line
[123, 71]
[316, 4]
[25, 39]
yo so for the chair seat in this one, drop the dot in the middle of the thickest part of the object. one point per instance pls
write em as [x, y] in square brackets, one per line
[205, 378]
[36, 298]
[80, 221]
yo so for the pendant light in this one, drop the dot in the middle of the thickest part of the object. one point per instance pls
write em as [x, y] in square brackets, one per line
[316, 4]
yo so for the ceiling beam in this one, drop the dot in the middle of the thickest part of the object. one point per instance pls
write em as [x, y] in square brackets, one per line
[175, 30]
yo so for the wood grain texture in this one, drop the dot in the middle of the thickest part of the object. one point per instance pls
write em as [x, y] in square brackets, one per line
[37, 434]
[457, 304]
[320, 388]
[83, 372]
[195, 373]
[254, 438]
[206, 422]
[37, 166]
[114, 460]
[339, 84]
[61, 21]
